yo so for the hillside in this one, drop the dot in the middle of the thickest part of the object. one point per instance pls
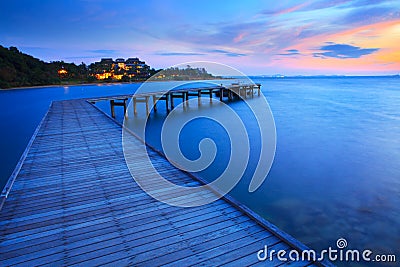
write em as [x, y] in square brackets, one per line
[19, 69]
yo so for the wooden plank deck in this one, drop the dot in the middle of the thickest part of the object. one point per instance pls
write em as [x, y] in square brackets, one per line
[72, 202]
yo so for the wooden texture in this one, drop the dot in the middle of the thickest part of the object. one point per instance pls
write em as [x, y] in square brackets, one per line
[74, 202]
[232, 92]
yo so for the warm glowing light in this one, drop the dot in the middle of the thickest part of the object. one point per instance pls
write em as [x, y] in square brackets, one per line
[383, 36]
[102, 76]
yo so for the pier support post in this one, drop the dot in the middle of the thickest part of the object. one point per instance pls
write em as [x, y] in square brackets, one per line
[166, 102]
[199, 98]
[172, 101]
[231, 92]
[252, 90]
[186, 98]
[112, 106]
[125, 113]
[155, 103]
[147, 105]
[134, 106]
[113, 103]
[184, 103]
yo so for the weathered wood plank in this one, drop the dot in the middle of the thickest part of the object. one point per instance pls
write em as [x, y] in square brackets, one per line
[74, 203]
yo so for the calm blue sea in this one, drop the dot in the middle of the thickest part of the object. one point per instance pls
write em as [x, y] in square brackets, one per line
[336, 172]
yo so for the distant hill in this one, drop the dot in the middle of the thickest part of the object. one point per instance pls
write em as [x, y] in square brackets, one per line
[19, 69]
[184, 74]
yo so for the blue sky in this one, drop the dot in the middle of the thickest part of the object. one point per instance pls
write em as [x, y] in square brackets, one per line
[257, 37]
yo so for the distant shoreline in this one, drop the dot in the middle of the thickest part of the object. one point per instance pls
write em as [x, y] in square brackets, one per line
[323, 76]
[64, 85]
[98, 84]
[219, 78]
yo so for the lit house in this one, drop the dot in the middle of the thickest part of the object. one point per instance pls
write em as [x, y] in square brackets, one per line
[62, 73]
[120, 69]
[120, 63]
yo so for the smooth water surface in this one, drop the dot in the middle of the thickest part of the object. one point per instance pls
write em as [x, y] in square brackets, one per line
[336, 171]
[23, 109]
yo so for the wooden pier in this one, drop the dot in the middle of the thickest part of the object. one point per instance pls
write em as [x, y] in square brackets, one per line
[71, 201]
[231, 92]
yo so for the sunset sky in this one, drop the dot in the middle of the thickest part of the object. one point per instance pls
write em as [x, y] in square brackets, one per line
[359, 37]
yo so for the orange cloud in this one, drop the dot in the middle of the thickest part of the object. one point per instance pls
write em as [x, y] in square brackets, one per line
[382, 35]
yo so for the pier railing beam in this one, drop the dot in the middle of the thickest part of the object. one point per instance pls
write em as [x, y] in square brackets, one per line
[232, 91]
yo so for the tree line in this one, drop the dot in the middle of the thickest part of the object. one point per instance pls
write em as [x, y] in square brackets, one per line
[18, 69]
[188, 73]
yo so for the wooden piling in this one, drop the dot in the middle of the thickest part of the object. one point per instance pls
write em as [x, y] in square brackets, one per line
[231, 92]
[80, 205]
